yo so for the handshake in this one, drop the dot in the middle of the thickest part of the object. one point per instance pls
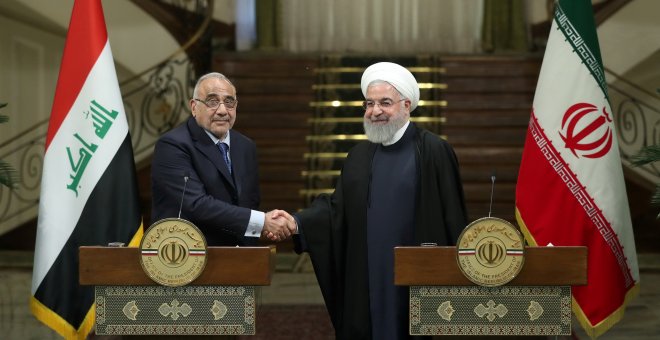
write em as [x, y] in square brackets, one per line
[279, 225]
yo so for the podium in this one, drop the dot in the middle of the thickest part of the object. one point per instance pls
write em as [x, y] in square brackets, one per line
[221, 301]
[444, 302]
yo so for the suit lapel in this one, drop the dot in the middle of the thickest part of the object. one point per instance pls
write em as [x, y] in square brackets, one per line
[237, 162]
[205, 145]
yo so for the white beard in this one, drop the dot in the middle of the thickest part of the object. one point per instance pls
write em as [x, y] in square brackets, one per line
[378, 133]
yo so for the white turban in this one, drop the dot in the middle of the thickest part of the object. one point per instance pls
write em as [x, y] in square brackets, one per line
[396, 75]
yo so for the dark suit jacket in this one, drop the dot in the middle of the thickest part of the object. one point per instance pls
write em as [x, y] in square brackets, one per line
[216, 204]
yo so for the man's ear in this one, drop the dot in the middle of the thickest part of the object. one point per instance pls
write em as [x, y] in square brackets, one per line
[192, 104]
[408, 104]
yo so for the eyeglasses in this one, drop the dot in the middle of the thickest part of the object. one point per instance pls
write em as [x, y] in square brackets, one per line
[384, 104]
[214, 103]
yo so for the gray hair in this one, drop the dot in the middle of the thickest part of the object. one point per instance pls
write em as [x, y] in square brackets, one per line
[217, 75]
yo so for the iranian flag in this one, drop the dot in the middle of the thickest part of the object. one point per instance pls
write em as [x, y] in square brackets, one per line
[571, 189]
[89, 190]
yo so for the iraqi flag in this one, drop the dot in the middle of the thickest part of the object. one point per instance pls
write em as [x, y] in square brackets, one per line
[89, 190]
[571, 189]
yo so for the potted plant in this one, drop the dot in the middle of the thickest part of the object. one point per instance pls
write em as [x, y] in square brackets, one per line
[647, 155]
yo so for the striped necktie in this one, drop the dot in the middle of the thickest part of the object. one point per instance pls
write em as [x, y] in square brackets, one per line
[225, 154]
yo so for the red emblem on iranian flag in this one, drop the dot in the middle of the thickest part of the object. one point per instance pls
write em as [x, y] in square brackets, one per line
[586, 131]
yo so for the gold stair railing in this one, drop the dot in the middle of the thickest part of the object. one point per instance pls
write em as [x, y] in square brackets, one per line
[155, 100]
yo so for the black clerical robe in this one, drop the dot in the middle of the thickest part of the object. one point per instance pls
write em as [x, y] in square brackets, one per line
[390, 217]
[335, 235]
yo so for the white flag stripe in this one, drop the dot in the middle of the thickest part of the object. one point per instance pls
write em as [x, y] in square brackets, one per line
[59, 208]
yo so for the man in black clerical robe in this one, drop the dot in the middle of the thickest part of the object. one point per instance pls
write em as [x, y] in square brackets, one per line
[401, 188]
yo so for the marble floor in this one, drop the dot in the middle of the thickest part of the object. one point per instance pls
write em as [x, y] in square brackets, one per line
[293, 285]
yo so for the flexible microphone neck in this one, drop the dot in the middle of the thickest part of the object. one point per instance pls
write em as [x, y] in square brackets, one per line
[492, 189]
[185, 183]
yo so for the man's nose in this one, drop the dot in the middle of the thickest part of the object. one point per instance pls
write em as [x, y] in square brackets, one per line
[221, 110]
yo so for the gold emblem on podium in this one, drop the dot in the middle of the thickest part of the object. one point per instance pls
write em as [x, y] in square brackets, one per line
[490, 252]
[173, 252]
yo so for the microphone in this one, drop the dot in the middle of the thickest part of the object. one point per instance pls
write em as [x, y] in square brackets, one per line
[492, 188]
[185, 183]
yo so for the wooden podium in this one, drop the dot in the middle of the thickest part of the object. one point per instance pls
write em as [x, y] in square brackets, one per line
[221, 301]
[444, 302]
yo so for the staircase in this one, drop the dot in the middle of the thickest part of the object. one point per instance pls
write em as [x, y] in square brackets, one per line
[489, 101]
[305, 113]
[274, 93]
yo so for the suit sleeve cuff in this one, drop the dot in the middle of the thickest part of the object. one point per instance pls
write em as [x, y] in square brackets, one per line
[299, 242]
[295, 218]
[256, 224]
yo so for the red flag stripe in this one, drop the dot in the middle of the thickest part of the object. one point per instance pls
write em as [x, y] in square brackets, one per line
[604, 272]
[578, 196]
[85, 40]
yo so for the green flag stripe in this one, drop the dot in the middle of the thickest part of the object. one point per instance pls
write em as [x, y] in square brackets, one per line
[581, 34]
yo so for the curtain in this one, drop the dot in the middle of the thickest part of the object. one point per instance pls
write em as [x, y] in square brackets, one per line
[504, 28]
[268, 34]
[446, 26]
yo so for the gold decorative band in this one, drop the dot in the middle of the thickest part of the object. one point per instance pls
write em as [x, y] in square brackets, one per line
[320, 173]
[326, 155]
[336, 137]
[314, 192]
[425, 119]
[315, 138]
[422, 86]
[358, 103]
[415, 69]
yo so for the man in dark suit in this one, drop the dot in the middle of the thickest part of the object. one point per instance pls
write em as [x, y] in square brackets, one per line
[217, 166]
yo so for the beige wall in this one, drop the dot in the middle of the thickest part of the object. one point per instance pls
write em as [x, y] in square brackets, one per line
[134, 35]
[630, 36]
[29, 64]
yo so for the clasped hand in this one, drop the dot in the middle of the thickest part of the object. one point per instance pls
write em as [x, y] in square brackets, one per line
[279, 225]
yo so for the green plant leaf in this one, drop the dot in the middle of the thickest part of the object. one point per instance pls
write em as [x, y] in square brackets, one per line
[647, 155]
[8, 176]
[655, 199]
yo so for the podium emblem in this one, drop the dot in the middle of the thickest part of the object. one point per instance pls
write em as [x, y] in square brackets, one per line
[490, 252]
[173, 252]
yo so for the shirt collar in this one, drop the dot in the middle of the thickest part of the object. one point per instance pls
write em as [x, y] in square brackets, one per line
[216, 140]
[397, 135]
